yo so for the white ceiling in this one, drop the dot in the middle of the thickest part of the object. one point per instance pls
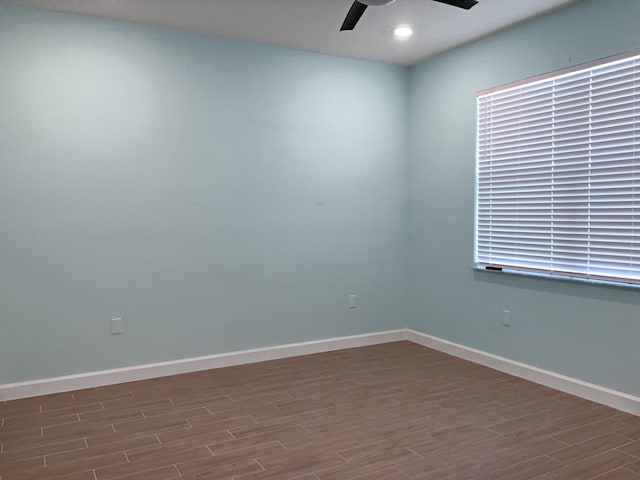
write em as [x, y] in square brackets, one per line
[314, 24]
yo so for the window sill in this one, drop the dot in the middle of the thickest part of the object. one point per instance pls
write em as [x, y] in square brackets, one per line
[588, 281]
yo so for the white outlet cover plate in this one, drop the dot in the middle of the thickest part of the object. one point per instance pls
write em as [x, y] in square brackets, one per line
[116, 326]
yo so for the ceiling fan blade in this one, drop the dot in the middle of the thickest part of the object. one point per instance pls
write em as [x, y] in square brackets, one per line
[355, 12]
[466, 4]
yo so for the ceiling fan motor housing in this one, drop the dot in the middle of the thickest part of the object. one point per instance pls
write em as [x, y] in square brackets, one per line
[375, 3]
[359, 6]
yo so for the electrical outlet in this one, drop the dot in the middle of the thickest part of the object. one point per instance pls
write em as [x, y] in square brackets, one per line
[506, 318]
[116, 326]
[352, 301]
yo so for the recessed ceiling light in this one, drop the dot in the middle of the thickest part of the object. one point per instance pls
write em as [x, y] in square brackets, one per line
[403, 31]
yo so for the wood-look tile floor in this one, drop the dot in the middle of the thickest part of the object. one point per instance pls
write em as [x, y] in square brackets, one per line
[388, 412]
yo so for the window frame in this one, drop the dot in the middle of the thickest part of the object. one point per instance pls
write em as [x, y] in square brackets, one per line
[544, 272]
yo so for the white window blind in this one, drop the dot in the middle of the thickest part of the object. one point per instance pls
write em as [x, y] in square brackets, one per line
[558, 174]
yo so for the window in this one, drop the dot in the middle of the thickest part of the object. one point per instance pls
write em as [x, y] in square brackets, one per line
[558, 174]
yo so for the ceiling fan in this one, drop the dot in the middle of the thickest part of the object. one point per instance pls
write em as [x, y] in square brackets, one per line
[359, 6]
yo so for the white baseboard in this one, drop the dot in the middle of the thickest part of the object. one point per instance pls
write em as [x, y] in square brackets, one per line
[606, 396]
[67, 383]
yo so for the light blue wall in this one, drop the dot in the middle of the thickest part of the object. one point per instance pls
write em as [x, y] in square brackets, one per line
[217, 195]
[588, 332]
[221, 195]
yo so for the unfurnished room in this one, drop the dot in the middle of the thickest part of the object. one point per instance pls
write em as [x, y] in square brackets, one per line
[319, 240]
